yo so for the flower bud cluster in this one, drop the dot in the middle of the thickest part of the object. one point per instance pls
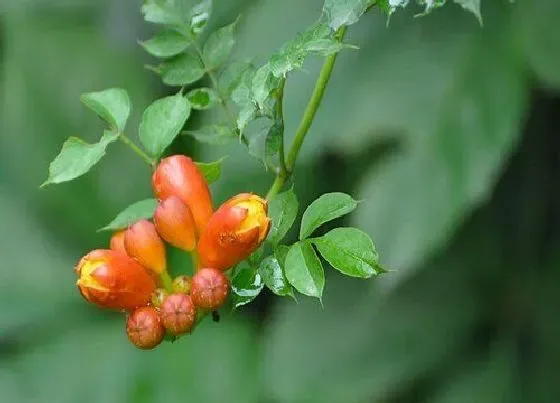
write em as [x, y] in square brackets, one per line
[132, 276]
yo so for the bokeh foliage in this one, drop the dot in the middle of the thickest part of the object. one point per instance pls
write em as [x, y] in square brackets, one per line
[420, 123]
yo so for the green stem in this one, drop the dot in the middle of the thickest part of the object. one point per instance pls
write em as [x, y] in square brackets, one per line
[313, 105]
[287, 165]
[307, 119]
[194, 259]
[280, 119]
[166, 281]
[137, 150]
[214, 81]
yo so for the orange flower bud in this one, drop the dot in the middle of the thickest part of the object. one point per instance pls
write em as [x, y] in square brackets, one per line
[117, 242]
[209, 288]
[178, 314]
[174, 223]
[144, 328]
[178, 176]
[113, 280]
[235, 230]
[144, 244]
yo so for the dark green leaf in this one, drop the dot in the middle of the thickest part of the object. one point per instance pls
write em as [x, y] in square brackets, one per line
[274, 278]
[211, 170]
[76, 158]
[304, 270]
[143, 209]
[494, 382]
[438, 172]
[345, 12]
[166, 43]
[162, 121]
[111, 105]
[537, 28]
[214, 134]
[219, 46]
[256, 257]
[282, 210]
[203, 98]
[326, 208]
[246, 284]
[350, 251]
[265, 137]
[180, 70]
[232, 75]
[199, 16]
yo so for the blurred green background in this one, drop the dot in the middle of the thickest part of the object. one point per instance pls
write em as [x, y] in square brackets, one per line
[449, 132]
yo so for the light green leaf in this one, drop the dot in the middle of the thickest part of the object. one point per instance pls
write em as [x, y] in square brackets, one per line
[203, 98]
[317, 40]
[304, 270]
[473, 6]
[166, 43]
[219, 46]
[112, 105]
[246, 285]
[350, 251]
[162, 121]
[248, 113]
[211, 170]
[213, 134]
[176, 13]
[231, 76]
[242, 93]
[345, 12]
[181, 70]
[161, 12]
[274, 278]
[76, 158]
[264, 83]
[140, 210]
[242, 96]
[265, 139]
[281, 252]
[282, 210]
[199, 16]
[326, 208]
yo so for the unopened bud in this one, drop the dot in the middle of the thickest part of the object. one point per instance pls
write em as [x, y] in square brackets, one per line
[236, 229]
[178, 314]
[158, 296]
[178, 175]
[209, 288]
[117, 242]
[175, 223]
[182, 284]
[144, 244]
[144, 328]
